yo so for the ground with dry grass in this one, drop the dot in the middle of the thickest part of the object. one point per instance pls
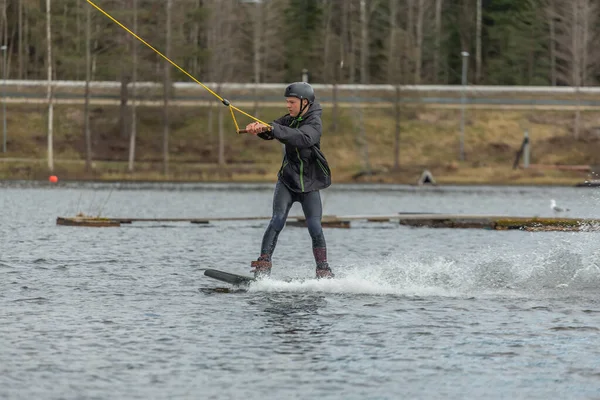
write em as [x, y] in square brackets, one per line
[429, 139]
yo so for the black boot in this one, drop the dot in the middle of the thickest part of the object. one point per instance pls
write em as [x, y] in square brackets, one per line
[323, 270]
[262, 266]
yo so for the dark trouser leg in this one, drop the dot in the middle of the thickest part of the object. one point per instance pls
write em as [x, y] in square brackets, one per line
[282, 202]
[313, 211]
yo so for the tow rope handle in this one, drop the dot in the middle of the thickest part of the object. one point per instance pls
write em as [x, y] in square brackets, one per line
[246, 131]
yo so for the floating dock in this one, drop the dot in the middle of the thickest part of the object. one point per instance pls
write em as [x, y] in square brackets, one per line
[425, 220]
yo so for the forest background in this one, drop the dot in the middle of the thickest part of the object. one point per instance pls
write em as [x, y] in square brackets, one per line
[385, 133]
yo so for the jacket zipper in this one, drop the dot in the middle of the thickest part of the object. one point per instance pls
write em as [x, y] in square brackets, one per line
[301, 170]
[297, 121]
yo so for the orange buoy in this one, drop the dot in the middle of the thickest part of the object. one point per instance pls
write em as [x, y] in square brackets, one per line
[53, 178]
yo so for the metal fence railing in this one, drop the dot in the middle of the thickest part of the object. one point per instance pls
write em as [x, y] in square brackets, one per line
[191, 94]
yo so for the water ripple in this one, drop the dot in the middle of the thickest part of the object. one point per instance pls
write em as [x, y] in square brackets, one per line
[127, 313]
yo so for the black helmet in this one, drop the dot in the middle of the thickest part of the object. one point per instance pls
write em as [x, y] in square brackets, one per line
[301, 90]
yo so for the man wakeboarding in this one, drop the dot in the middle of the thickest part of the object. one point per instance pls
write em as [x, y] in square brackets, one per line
[304, 172]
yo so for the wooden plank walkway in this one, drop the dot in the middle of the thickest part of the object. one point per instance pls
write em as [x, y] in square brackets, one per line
[427, 220]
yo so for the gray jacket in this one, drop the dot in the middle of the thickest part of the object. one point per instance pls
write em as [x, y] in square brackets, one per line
[304, 167]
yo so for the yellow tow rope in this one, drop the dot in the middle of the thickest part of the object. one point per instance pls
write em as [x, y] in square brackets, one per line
[224, 101]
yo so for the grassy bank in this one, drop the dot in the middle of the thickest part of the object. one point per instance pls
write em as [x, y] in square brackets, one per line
[429, 140]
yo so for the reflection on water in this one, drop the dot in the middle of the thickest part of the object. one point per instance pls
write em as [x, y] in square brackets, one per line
[292, 313]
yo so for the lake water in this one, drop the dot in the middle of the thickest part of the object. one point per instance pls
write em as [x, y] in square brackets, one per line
[419, 313]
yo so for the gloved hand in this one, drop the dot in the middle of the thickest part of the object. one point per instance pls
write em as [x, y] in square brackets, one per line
[267, 135]
[256, 127]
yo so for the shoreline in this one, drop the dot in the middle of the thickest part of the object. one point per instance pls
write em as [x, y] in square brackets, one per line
[38, 181]
[454, 174]
[426, 141]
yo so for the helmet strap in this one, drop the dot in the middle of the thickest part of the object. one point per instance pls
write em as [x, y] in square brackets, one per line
[303, 107]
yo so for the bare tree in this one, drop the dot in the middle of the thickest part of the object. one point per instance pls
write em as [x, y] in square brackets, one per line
[273, 59]
[362, 141]
[335, 54]
[27, 43]
[478, 43]
[392, 69]
[422, 8]
[167, 90]
[94, 52]
[222, 40]
[133, 133]
[344, 45]
[408, 38]
[327, 39]
[195, 39]
[257, 25]
[50, 96]
[576, 35]
[78, 30]
[86, 107]
[393, 74]
[420, 20]
[7, 52]
[20, 38]
[462, 14]
[397, 128]
[124, 38]
[330, 67]
[4, 23]
[364, 36]
[438, 40]
[350, 32]
[366, 10]
[551, 17]
[419, 40]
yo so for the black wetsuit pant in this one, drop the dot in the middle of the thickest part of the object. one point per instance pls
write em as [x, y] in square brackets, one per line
[283, 199]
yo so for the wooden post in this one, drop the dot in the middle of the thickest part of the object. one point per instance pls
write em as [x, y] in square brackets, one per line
[526, 150]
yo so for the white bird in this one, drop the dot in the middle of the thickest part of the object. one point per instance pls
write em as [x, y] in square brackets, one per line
[556, 208]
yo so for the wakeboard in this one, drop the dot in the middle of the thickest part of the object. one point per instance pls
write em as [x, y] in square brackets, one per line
[228, 277]
[242, 281]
